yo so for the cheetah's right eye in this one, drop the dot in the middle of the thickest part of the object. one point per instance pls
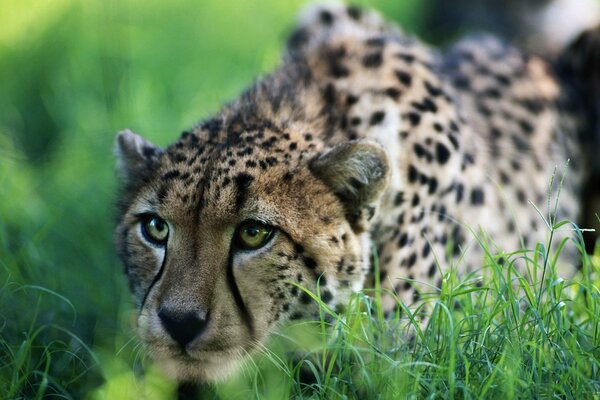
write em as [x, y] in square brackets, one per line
[155, 230]
[252, 235]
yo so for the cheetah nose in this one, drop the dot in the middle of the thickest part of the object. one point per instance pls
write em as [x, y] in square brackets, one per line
[183, 327]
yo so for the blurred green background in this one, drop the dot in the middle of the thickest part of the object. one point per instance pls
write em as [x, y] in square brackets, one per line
[72, 74]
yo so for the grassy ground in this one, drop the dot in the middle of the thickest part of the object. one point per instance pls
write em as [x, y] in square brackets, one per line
[72, 74]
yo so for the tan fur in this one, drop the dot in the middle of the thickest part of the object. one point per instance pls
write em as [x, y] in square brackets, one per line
[465, 139]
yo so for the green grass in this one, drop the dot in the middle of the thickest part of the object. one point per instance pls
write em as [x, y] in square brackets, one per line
[495, 333]
[72, 74]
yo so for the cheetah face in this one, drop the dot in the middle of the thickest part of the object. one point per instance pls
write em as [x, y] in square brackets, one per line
[221, 241]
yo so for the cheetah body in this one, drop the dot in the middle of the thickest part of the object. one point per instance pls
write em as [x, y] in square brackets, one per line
[362, 138]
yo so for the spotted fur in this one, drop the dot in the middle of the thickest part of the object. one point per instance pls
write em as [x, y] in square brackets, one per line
[362, 137]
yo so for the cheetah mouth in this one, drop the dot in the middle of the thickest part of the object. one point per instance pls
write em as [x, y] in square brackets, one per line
[198, 365]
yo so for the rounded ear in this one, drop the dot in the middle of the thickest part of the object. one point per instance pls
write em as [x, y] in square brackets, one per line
[134, 153]
[358, 173]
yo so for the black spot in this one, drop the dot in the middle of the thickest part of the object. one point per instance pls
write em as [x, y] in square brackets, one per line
[432, 270]
[502, 79]
[371, 212]
[484, 110]
[322, 281]
[351, 99]
[246, 151]
[421, 151]
[426, 105]
[298, 38]
[520, 143]
[469, 158]
[413, 174]
[416, 296]
[459, 192]
[354, 12]
[375, 42]
[454, 141]
[393, 93]
[310, 262]
[293, 146]
[373, 60]
[414, 118]
[462, 83]
[399, 199]
[336, 69]
[408, 58]
[492, 93]
[287, 176]
[521, 196]
[411, 260]
[438, 127]
[305, 298]
[415, 200]
[526, 126]
[250, 163]
[426, 250]
[329, 94]
[171, 175]
[433, 184]
[149, 152]
[213, 126]
[376, 118]
[442, 154]
[433, 90]
[298, 248]
[403, 77]
[403, 240]
[510, 226]
[296, 316]
[534, 106]
[326, 17]
[355, 121]
[477, 196]
[326, 296]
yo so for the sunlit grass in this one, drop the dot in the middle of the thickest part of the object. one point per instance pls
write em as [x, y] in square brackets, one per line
[493, 333]
[73, 73]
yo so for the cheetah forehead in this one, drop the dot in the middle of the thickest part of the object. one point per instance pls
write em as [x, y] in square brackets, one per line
[256, 173]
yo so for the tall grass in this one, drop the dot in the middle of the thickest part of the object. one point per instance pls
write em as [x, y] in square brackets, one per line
[73, 73]
[494, 333]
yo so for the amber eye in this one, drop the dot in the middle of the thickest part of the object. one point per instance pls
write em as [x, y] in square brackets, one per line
[253, 235]
[155, 230]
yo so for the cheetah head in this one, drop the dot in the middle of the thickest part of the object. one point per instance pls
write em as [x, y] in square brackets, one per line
[222, 234]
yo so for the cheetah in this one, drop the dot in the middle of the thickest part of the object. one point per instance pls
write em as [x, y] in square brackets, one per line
[363, 137]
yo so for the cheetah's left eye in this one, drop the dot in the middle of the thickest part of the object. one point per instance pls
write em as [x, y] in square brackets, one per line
[253, 235]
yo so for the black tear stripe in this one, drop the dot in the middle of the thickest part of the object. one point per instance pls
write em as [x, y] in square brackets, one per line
[156, 279]
[235, 291]
[242, 182]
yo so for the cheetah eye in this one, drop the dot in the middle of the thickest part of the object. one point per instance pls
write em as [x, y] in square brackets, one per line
[252, 235]
[155, 230]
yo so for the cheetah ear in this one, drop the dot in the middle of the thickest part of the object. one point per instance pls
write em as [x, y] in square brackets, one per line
[358, 173]
[134, 154]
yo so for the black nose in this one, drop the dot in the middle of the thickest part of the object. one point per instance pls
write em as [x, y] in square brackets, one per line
[183, 326]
